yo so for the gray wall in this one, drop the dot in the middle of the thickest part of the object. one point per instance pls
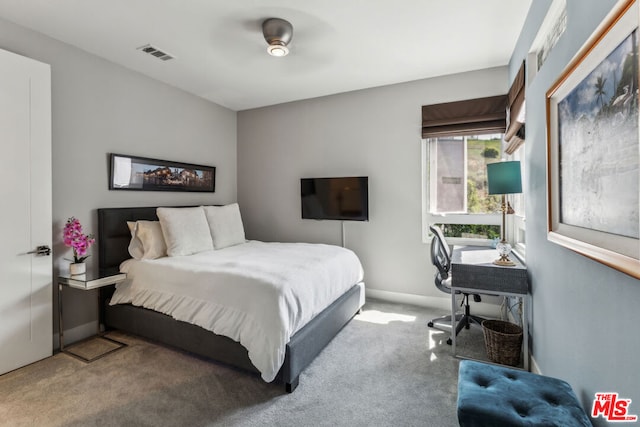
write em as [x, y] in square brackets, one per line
[99, 107]
[584, 320]
[373, 132]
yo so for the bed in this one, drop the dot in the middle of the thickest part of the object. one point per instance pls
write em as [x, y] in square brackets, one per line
[303, 346]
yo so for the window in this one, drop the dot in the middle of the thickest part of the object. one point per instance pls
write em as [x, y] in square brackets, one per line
[458, 177]
[552, 28]
[459, 139]
[455, 186]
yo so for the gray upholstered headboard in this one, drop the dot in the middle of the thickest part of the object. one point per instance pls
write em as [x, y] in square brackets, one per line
[114, 235]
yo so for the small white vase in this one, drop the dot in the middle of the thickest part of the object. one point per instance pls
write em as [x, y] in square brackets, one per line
[77, 268]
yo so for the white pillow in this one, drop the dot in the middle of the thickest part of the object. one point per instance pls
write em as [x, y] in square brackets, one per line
[185, 230]
[226, 226]
[147, 241]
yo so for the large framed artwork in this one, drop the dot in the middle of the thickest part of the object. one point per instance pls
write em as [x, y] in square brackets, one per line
[593, 147]
[144, 174]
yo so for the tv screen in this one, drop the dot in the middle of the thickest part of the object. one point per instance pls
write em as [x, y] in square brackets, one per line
[345, 199]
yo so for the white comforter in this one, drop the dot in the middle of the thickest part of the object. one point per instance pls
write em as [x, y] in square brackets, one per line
[256, 293]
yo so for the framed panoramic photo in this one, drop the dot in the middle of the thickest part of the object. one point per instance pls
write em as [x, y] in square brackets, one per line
[593, 147]
[144, 174]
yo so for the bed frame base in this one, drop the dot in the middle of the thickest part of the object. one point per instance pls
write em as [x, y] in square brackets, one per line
[290, 387]
[301, 350]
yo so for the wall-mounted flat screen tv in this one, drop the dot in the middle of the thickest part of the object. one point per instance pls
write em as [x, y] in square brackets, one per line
[345, 198]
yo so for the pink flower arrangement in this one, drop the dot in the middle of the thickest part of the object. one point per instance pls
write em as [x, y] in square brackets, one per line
[74, 238]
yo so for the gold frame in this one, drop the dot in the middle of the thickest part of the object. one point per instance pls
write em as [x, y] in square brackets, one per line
[616, 251]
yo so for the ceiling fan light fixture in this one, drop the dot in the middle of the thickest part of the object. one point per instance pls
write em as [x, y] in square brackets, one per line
[278, 33]
[278, 50]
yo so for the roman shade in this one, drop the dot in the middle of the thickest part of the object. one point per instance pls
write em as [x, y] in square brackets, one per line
[514, 136]
[469, 117]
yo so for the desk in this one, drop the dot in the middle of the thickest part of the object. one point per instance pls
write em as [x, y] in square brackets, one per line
[473, 271]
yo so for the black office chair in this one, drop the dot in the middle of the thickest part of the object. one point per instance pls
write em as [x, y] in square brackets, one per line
[441, 259]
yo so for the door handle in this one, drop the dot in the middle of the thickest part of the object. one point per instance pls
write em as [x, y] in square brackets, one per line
[43, 250]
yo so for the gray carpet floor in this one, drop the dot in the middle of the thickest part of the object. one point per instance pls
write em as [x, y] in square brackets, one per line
[385, 368]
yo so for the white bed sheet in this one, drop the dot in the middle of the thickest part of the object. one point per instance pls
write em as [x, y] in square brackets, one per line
[256, 293]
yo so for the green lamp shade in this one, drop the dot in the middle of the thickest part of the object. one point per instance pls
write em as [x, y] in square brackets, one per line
[504, 178]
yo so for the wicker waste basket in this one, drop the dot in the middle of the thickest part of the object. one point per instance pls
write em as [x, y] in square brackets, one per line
[503, 341]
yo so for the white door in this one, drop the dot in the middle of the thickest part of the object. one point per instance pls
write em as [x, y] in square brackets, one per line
[25, 216]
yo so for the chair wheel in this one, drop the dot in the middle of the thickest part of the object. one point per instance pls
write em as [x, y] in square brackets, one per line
[449, 341]
[430, 324]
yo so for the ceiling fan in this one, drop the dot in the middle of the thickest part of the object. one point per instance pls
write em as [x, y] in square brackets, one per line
[278, 33]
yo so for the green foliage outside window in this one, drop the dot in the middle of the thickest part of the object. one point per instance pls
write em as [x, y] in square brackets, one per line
[478, 199]
[478, 231]
[490, 153]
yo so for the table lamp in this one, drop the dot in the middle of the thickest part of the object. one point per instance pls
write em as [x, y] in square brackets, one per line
[504, 178]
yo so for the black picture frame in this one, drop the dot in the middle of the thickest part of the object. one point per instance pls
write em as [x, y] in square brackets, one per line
[146, 174]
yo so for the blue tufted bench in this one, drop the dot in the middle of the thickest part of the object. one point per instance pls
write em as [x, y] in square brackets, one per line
[496, 396]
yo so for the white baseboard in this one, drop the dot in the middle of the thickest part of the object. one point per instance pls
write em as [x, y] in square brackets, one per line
[76, 334]
[444, 303]
[534, 366]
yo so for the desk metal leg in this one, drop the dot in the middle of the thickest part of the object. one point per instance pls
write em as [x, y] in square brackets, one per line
[525, 300]
[453, 323]
[525, 329]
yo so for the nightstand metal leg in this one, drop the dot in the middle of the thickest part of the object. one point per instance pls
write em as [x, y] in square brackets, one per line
[82, 283]
[60, 328]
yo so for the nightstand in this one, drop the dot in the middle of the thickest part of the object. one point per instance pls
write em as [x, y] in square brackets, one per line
[87, 282]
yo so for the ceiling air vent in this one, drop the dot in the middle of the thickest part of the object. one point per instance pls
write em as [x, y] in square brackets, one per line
[154, 51]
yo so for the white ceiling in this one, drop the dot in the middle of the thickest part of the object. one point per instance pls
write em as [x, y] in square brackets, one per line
[337, 46]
